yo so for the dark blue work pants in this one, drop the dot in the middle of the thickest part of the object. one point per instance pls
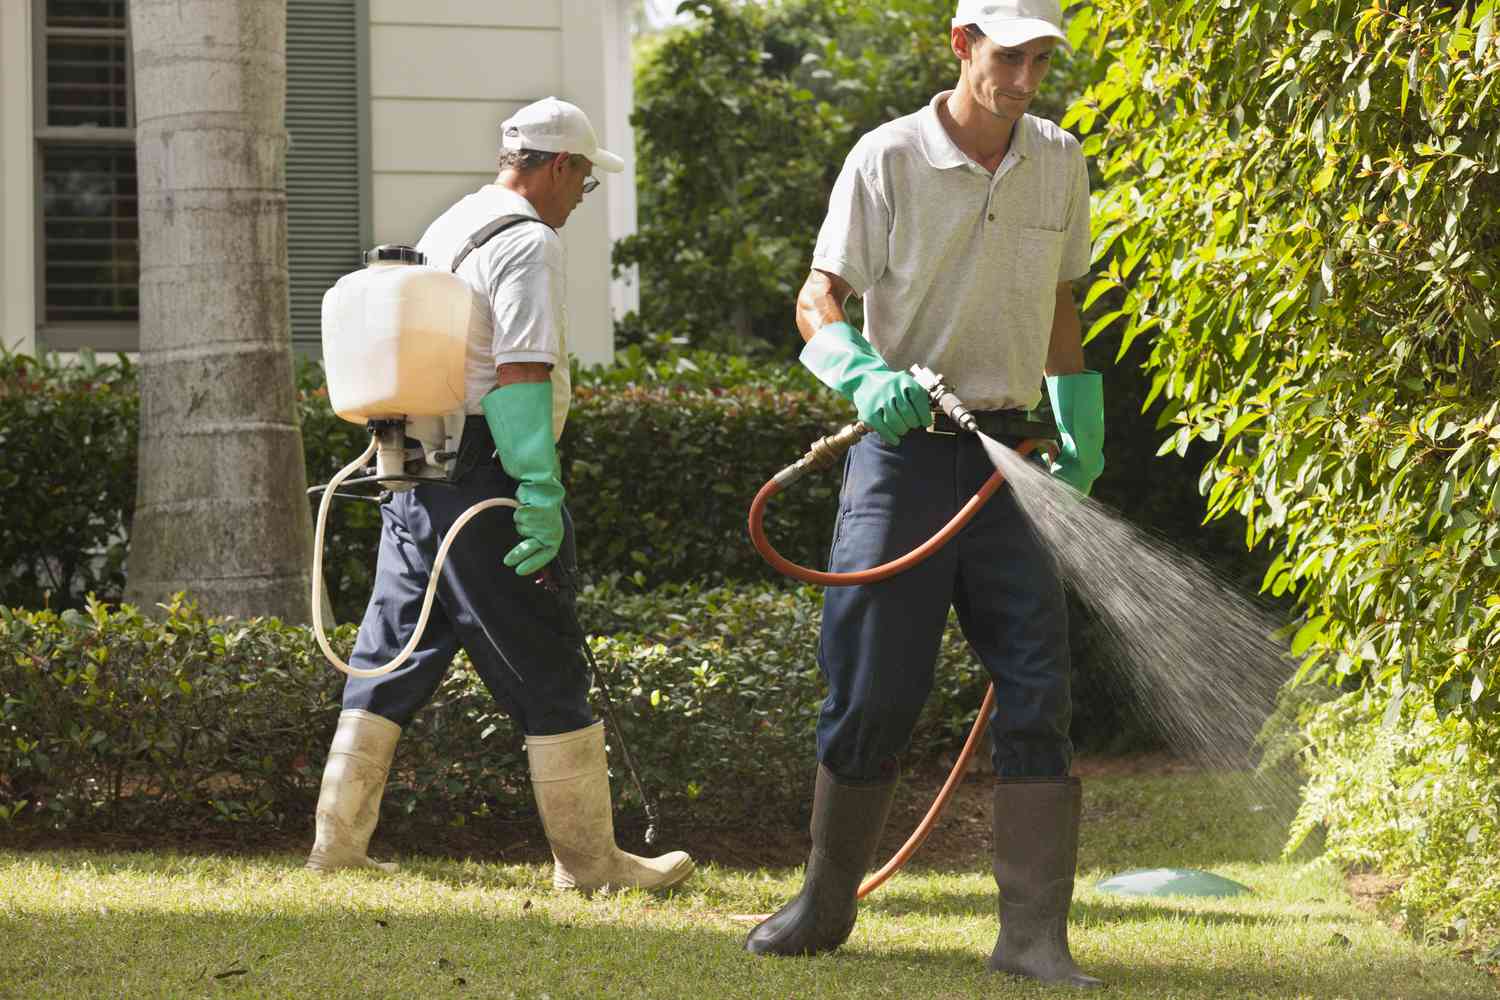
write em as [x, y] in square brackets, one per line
[880, 642]
[520, 636]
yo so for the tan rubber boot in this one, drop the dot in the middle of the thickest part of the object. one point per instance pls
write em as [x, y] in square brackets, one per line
[571, 781]
[353, 783]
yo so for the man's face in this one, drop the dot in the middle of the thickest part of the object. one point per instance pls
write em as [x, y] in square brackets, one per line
[576, 179]
[1005, 80]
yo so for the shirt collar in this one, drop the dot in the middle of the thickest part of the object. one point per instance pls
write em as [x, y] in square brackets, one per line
[942, 152]
[520, 204]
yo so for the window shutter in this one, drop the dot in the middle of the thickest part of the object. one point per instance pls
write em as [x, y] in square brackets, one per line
[325, 166]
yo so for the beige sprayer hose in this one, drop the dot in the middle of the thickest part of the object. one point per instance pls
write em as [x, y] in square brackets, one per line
[437, 568]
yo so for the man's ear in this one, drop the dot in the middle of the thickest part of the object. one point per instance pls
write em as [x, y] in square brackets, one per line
[559, 165]
[959, 41]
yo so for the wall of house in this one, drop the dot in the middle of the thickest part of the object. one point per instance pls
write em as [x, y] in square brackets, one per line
[443, 77]
[18, 195]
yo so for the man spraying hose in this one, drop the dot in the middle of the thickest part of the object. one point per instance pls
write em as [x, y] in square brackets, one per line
[961, 227]
[521, 636]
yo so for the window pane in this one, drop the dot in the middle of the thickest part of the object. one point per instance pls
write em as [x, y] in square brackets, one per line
[86, 81]
[89, 228]
[86, 14]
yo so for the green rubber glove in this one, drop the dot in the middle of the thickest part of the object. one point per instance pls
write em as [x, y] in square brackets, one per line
[890, 403]
[520, 421]
[1078, 408]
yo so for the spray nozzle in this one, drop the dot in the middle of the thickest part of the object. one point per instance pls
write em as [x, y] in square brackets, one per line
[944, 398]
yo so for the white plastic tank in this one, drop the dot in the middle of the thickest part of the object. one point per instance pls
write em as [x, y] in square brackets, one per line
[393, 338]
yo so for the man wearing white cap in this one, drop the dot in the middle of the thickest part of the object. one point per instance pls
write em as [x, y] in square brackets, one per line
[504, 591]
[961, 227]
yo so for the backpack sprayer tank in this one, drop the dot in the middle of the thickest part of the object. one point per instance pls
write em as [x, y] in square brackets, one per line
[393, 346]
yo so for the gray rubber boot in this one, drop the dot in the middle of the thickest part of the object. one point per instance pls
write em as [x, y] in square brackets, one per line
[847, 820]
[570, 778]
[1036, 858]
[353, 783]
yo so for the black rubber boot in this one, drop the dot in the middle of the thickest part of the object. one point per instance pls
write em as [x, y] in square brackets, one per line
[846, 823]
[1036, 857]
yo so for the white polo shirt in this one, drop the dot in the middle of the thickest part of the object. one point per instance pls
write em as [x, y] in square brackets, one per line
[958, 268]
[518, 282]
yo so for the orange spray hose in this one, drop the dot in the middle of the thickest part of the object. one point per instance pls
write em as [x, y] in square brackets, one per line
[882, 572]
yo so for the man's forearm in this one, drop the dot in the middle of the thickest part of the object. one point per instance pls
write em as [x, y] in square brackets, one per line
[521, 371]
[821, 302]
[1065, 349]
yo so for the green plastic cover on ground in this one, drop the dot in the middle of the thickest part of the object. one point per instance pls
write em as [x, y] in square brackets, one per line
[1170, 882]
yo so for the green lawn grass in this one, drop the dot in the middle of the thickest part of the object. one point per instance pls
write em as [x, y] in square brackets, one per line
[80, 924]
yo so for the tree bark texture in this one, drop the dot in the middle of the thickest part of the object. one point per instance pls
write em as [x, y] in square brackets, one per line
[221, 510]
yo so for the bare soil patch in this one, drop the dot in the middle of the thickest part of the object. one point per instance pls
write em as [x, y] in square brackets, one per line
[960, 841]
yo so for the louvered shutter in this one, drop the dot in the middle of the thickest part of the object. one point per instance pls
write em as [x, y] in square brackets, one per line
[325, 166]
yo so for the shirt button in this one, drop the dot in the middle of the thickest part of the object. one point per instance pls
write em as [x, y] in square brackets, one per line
[992, 216]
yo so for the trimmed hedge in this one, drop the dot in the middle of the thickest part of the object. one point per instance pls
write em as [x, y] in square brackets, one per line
[711, 429]
[660, 459]
[67, 475]
[112, 721]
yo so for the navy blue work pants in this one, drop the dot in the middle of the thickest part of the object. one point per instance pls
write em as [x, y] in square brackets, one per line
[879, 642]
[520, 636]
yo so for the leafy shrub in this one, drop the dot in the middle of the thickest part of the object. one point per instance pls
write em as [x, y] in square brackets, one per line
[660, 479]
[1306, 201]
[642, 524]
[67, 473]
[733, 424]
[114, 721]
[1301, 217]
[1400, 790]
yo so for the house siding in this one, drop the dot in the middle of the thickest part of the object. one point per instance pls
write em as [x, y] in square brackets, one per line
[443, 78]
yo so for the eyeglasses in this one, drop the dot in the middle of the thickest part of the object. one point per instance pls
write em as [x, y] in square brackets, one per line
[589, 183]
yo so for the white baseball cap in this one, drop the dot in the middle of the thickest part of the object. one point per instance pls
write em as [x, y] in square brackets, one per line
[554, 126]
[1013, 22]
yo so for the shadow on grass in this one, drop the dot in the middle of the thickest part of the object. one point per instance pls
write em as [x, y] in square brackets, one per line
[1091, 912]
[1185, 975]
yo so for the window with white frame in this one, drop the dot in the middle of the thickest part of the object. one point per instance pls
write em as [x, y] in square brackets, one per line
[88, 237]
[88, 281]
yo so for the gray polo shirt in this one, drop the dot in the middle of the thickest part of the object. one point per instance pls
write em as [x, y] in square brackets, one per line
[958, 269]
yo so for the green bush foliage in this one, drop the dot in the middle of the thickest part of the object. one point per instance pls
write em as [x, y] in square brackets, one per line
[661, 459]
[112, 721]
[67, 473]
[660, 479]
[1400, 790]
[1301, 217]
[714, 428]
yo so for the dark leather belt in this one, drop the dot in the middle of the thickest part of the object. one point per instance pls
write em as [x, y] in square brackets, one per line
[997, 424]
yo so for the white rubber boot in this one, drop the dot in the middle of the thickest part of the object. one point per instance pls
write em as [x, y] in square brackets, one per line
[571, 781]
[353, 783]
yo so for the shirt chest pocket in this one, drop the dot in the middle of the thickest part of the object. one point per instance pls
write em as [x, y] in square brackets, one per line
[1036, 255]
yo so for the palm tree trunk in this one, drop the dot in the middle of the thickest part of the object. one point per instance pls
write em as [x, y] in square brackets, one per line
[220, 507]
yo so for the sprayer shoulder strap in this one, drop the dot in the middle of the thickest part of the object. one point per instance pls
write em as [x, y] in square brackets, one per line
[489, 232]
